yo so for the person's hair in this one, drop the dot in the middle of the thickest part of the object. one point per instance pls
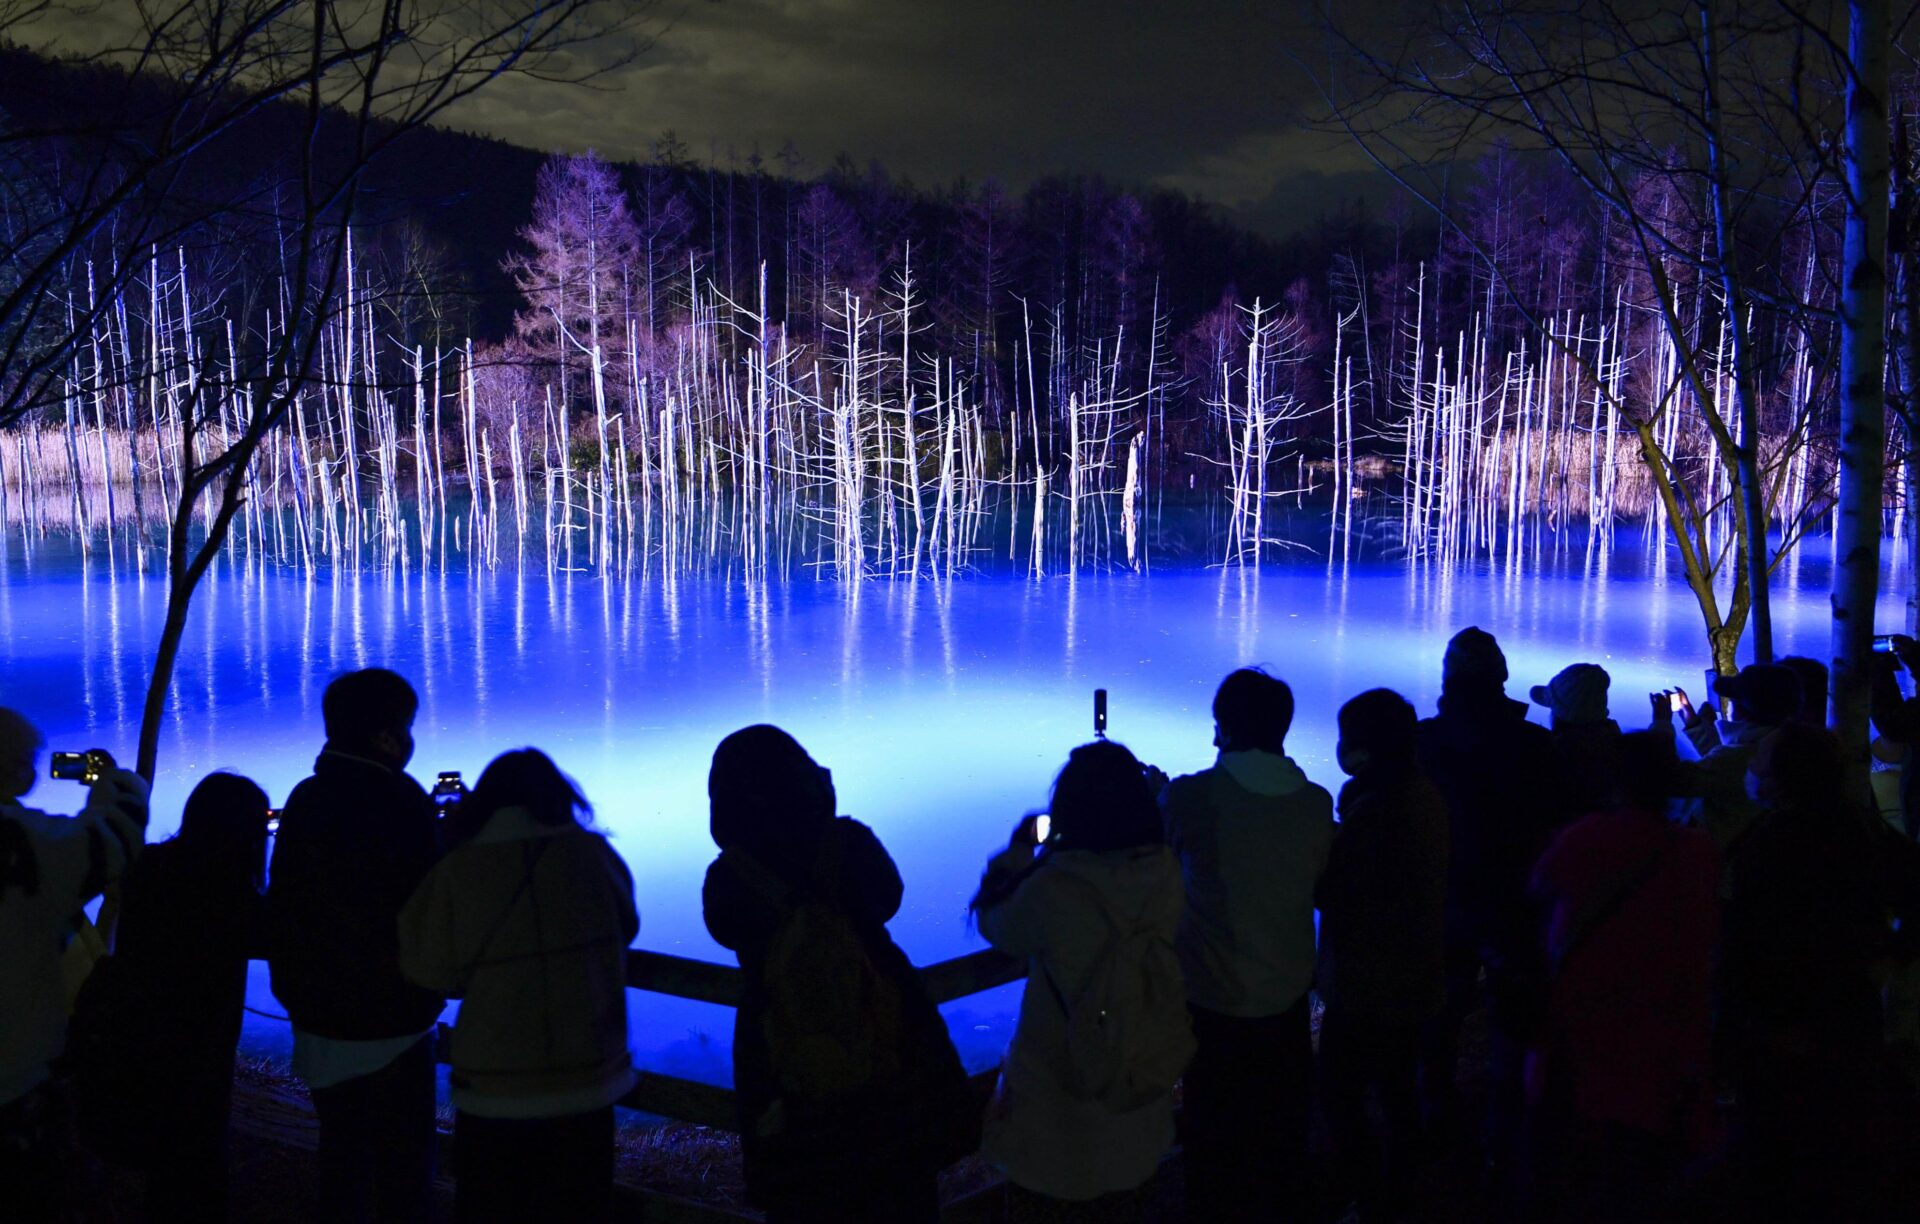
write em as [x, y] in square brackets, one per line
[1102, 801]
[18, 735]
[20, 744]
[1381, 723]
[1812, 674]
[1253, 710]
[1645, 769]
[524, 778]
[361, 704]
[224, 824]
[765, 794]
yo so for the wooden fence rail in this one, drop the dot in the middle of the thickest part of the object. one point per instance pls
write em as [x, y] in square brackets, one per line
[681, 977]
[703, 1104]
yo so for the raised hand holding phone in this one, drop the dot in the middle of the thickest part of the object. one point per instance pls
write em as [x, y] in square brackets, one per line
[1032, 831]
[1682, 704]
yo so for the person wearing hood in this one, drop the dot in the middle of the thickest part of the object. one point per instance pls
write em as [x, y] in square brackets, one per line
[1499, 774]
[1586, 741]
[851, 1096]
[355, 841]
[50, 866]
[1092, 905]
[1713, 790]
[1252, 835]
[1382, 973]
[527, 922]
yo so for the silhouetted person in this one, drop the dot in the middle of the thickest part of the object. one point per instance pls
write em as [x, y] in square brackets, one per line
[356, 839]
[191, 916]
[1812, 675]
[1499, 776]
[1075, 1125]
[50, 866]
[527, 921]
[1713, 790]
[1805, 928]
[1586, 740]
[851, 1096]
[1382, 966]
[1620, 1078]
[1252, 835]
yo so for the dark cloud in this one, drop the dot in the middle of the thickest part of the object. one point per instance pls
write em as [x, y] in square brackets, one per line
[1205, 97]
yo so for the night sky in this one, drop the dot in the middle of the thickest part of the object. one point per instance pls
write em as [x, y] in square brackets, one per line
[1202, 97]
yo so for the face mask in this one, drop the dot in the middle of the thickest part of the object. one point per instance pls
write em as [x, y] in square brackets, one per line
[1352, 760]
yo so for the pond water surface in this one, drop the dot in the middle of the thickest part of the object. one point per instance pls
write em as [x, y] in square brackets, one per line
[943, 709]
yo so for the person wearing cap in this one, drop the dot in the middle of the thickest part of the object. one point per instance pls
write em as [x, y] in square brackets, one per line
[1585, 739]
[1713, 790]
[1498, 774]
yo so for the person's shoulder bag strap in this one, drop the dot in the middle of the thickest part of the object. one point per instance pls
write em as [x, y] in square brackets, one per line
[1626, 888]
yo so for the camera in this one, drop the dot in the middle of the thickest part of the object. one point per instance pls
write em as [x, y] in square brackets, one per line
[85, 768]
[273, 821]
[448, 789]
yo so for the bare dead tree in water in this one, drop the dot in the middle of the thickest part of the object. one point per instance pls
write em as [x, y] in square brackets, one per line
[362, 77]
[1723, 112]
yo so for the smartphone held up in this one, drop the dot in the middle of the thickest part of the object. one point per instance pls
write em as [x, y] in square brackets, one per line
[85, 768]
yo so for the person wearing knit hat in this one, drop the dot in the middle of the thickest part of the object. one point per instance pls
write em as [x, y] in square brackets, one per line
[1473, 660]
[1500, 777]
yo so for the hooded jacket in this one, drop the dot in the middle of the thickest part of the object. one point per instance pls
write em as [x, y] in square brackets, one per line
[1252, 835]
[63, 864]
[802, 1154]
[528, 925]
[1057, 917]
[356, 839]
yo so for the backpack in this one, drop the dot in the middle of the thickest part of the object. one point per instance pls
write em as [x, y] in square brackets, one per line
[1129, 1034]
[834, 1020]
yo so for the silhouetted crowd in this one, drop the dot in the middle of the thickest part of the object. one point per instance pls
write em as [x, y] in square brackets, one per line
[1598, 970]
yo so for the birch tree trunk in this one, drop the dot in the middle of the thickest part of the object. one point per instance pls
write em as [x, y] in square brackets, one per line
[1863, 311]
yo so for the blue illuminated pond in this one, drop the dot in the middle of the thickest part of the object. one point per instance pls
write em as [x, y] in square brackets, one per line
[942, 708]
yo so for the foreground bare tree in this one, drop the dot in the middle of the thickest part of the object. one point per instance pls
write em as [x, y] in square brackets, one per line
[1863, 361]
[1701, 131]
[361, 76]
